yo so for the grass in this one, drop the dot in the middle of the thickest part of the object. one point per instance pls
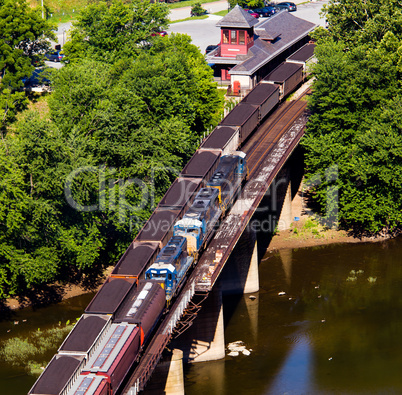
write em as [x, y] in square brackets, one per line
[192, 18]
[221, 13]
[307, 229]
[188, 3]
[30, 353]
[62, 11]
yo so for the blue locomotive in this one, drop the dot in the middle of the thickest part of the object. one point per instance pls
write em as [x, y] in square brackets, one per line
[192, 233]
[171, 265]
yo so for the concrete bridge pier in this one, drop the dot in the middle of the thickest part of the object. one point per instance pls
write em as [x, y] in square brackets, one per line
[240, 275]
[205, 339]
[168, 376]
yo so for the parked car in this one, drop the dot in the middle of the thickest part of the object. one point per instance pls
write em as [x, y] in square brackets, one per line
[55, 56]
[265, 11]
[39, 80]
[210, 48]
[252, 13]
[286, 5]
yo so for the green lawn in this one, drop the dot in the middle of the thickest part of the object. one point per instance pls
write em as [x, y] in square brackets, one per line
[61, 11]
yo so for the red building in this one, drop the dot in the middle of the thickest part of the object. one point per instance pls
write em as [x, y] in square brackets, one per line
[250, 49]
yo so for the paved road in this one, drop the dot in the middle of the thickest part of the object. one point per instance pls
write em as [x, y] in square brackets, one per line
[204, 31]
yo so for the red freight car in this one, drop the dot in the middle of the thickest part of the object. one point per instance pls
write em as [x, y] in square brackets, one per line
[287, 75]
[202, 164]
[90, 384]
[144, 306]
[116, 354]
[159, 227]
[265, 96]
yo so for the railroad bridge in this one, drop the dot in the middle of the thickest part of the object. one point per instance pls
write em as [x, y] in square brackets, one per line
[194, 327]
[118, 342]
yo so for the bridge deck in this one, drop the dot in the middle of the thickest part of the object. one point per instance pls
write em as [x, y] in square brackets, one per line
[267, 156]
[268, 150]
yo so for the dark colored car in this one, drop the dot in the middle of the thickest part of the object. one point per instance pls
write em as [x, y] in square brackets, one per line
[286, 5]
[210, 48]
[265, 11]
[55, 56]
[252, 13]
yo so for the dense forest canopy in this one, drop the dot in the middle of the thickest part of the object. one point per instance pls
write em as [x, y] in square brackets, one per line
[356, 107]
[79, 181]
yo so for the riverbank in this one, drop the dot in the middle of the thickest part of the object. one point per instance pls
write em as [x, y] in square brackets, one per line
[303, 232]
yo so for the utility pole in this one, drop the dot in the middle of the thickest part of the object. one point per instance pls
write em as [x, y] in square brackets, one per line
[43, 15]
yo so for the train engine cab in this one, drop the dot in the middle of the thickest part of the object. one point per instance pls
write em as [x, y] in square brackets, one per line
[227, 179]
[198, 222]
[171, 265]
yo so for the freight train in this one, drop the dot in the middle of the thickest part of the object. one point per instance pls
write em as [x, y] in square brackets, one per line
[107, 340]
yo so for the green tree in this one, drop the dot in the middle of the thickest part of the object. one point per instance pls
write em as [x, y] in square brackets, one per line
[247, 3]
[197, 10]
[360, 22]
[355, 121]
[109, 31]
[23, 36]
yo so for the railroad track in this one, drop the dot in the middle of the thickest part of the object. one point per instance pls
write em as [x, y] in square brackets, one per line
[270, 132]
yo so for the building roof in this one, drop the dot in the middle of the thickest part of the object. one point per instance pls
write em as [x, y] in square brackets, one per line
[272, 37]
[237, 17]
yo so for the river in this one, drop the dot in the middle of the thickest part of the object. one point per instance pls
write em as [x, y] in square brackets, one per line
[327, 320]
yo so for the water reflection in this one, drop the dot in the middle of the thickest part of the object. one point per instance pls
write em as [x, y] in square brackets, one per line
[335, 329]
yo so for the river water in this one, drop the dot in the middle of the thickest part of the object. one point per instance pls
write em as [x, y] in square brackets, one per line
[327, 320]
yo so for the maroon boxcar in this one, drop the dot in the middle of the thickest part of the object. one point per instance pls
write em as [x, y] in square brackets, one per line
[181, 193]
[144, 306]
[303, 56]
[116, 354]
[90, 384]
[265, 96]
[202, 164]
[159, 227]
